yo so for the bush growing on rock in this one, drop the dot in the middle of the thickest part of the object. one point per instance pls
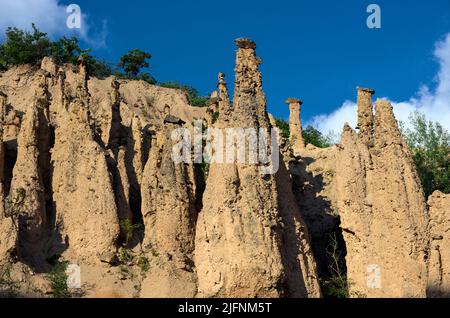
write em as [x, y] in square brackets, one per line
[58, 280]
[283, 126]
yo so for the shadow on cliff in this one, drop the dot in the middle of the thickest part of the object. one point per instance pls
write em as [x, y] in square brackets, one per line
[435, 292]
[135, 196]
[128, 207]
[10, 161]
[323, 223]
[296, 286]
[53, 243]
[37, 254]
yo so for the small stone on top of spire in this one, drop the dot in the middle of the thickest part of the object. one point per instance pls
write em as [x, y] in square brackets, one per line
[291, 100]
[245, 43]
[364, 89]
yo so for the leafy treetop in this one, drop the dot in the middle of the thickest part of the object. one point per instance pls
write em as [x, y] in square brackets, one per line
[430, 146]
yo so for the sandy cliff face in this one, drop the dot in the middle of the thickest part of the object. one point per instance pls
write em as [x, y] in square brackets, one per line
[8, 232]
[28, 180]
[313, 173]
[72, 159]
[382, 209]
[439, 268]
[170, 213]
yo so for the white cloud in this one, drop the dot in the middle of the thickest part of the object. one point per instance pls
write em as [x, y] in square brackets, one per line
[335, 121]
[434, 104]
[49, 16]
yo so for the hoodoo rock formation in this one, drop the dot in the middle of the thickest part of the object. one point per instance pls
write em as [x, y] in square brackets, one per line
[248, 78]
[27, 184]
[250, 240]
[82, 186]
[381, 206]
[295, 126]
[365, 113]
[89, 176]
[224, 102]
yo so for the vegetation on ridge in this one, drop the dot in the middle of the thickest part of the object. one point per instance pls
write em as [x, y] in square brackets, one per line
[430, 145]
[24, 47]
[310, 135]
[192, 94]
[133, 62]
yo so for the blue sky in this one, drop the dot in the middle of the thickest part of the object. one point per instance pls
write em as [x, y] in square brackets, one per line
[318, 51]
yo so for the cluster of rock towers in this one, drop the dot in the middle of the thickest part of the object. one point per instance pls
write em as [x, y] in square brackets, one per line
[90, 159]
[377, 194]
[250, 239]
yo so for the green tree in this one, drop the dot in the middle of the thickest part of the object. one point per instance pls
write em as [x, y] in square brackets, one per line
[314, 137]
[283, 126]
[66, 50]
[133, 62]
[430, 145]
[98, 68]
[22, 47]
[336, 284]
[310, 134]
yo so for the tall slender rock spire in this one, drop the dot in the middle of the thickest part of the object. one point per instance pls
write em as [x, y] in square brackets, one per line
[295, 125]
[224, 102]
[365, 113]
[169, 214]
[248, 80]
[267, 252]
[88, 216]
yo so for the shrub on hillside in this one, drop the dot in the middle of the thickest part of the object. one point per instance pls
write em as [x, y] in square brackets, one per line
[193, 96]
